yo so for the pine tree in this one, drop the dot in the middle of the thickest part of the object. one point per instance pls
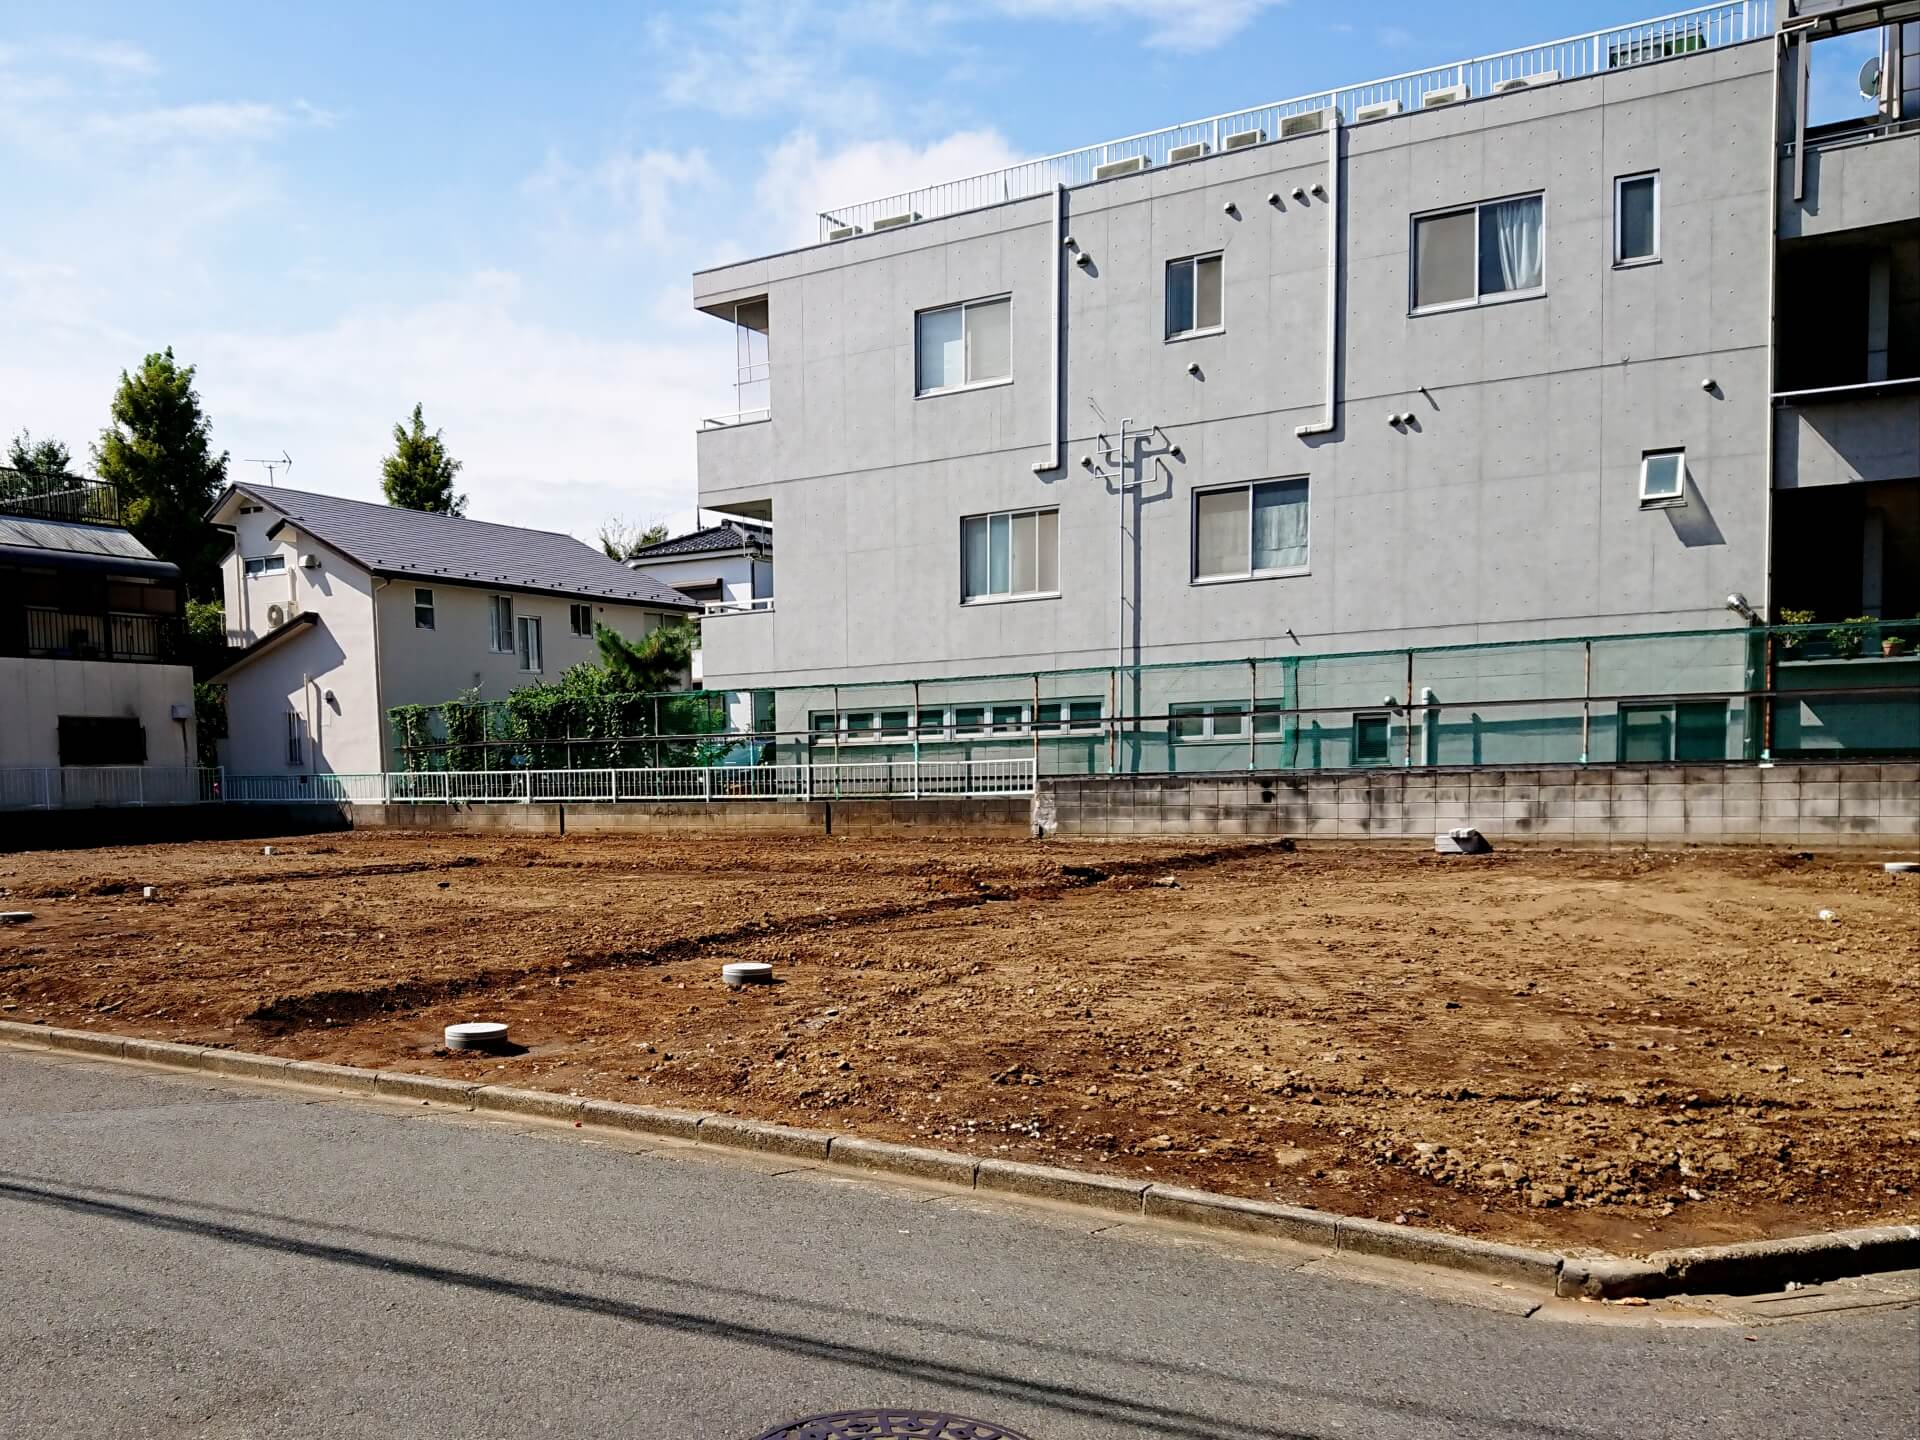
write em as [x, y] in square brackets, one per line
[419, 474]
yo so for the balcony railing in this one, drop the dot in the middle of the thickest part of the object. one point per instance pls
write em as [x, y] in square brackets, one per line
[52, 634]
[1707, 27]
[760, 604]
[739, 417]
[92, 502]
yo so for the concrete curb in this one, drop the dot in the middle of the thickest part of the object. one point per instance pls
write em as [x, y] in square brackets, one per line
[1745, 1267]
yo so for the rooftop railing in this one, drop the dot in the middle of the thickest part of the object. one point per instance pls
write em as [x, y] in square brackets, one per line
[1706, 27]
[62, 497]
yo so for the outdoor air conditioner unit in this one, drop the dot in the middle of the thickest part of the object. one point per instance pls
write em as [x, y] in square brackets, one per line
[309, 561]
[1132, 165]
[1445, 95]
[1187, 152]
[276, 616]
[1312, 122]
[889, 222]
[1524, 82]
[1377, 111]
[1240, 139]
[843, 232]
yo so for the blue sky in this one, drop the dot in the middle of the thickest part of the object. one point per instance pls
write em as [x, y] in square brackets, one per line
[494, 209]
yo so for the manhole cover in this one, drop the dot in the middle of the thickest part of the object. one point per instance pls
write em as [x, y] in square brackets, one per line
[890, 1425]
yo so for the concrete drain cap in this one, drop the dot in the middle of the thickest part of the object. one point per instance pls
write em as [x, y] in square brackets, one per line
[15, 917]
[1903, 867]
[747, 972]
[476, 1035]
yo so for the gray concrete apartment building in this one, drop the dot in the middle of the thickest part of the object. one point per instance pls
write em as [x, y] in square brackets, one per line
[1577, 341]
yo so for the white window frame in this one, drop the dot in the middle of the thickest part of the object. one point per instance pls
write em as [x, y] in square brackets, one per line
[426, 605]
[500, 632]
[966, 342]
[1499, 297]
[941, 723]
[264, 565]
[1353, 755]
[296, 738]
[1194, 332]
[1623, 261]
[527, 646]
[1663, 502]
[1010, 596]
[574, 612]
[1193, 537]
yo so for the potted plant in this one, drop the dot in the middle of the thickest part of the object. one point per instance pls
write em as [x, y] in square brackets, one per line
[1849, 637]
[1897, 640]
[1792, 641]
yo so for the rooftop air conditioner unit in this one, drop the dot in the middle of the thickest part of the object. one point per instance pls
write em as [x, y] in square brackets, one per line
[276, 616]
[1240, 139]
[843, 232]
[1445, 95]
[1525, 82]
[1311, 122]
[1132, 165]
[1187, 152]
[1380, 110]
[889, 222]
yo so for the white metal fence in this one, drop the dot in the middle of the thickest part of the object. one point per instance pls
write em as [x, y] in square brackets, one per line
[74, 788]
[1706, 27]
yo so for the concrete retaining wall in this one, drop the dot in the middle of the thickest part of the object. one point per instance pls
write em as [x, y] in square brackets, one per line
[1013, 816]
[1843, 804]
[164, 825]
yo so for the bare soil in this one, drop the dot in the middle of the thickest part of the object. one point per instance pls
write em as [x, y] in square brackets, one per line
[1629, 1050]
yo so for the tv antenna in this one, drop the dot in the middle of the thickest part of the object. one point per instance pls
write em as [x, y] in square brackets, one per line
[285, 462]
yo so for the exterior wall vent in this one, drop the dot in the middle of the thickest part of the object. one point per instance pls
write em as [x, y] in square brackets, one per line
[1525, 82]
[1240, 139]
[1132, 165]
[843, 232]
[1379, 111]
[1445, 95]
[1311, 122]
[1187, 152]
[890, 222]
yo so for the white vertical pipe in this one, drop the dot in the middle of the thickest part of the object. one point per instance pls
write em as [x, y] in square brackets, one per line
[1326, 423]
[1052, 462]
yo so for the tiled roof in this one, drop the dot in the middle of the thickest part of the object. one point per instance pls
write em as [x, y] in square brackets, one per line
[701, 542]
[391, 541]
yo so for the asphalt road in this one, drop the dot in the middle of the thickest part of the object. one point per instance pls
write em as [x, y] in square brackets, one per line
[181, 1256]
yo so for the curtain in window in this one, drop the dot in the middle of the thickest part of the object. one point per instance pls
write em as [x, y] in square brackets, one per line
[1280, 525]
[1023, 564]
[975, 556]
[1220, 532]
[1510, 249]
[987, 352]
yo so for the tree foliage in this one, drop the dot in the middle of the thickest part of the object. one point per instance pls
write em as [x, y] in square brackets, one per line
[622, 541]
[419, 474]
[660, 660]
[43, 465]
[158, 452]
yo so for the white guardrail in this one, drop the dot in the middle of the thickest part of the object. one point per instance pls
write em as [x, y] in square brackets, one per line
[80, 788]
[1706, 27]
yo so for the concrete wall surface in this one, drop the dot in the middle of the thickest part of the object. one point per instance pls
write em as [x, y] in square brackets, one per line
[36, 693]
[165, 825]
[1853, 804]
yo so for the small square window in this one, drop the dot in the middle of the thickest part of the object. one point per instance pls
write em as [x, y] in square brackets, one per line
[932, 723]
[423, 609]
[267, 565]
[500, 624]
[1663, 478]
[1194, 300]
[1006, 719]
[962, 345]
[1011, 554]
[582, 619]
[1636, 219]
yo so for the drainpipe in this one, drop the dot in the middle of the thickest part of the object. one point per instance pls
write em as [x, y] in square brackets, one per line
[1052, 462]
[1326, 422]
[380, 690]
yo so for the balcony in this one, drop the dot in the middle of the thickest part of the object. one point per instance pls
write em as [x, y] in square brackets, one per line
[65, 497]
[119, 636]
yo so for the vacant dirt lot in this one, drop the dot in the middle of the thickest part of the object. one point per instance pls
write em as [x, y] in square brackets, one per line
[1625, 1049]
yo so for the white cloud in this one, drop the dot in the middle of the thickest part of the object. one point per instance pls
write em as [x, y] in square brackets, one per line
[628, 197]
[1184, 25]
[800, 177]
[111, 55]
[207, 122]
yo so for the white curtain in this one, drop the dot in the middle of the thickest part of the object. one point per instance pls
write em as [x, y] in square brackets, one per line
[1510, 251]
[1280, 525]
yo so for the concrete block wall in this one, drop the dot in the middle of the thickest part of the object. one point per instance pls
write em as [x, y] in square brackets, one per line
[1861, 804]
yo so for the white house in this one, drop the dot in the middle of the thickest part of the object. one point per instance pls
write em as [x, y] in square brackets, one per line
[723, 566]
[346, 609]
[92, 644]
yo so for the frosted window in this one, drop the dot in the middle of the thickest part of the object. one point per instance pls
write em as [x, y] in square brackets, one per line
[1220, 532]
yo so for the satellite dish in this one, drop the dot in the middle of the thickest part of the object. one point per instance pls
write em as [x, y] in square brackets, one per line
[1870, 76]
